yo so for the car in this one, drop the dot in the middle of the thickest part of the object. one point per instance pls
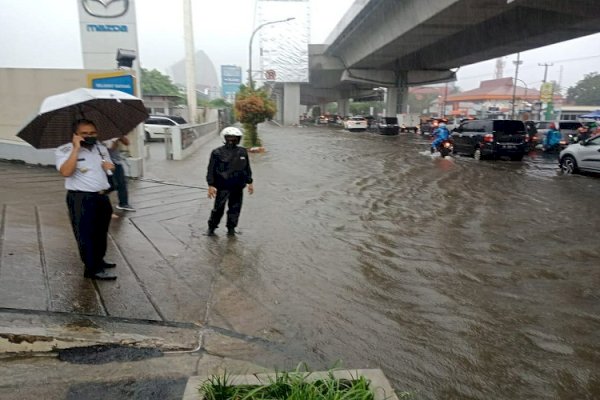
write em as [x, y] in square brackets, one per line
[582, 156]
[356, 123]
[388, 126]
[497, 138]
[155, 125]
[568, 129]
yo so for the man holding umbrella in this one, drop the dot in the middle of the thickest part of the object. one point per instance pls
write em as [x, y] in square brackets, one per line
[85, 164]
[99, 114]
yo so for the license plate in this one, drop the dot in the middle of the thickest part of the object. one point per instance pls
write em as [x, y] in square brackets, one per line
[509, 146]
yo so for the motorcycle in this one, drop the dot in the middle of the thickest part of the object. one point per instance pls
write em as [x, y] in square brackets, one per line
[446, 147]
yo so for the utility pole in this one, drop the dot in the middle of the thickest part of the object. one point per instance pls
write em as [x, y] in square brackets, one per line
[517, 63]
[545, 65]
[190, 60]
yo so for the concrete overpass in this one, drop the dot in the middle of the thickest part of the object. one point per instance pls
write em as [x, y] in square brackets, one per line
[398, 43]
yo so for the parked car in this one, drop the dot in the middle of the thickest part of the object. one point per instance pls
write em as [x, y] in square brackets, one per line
[388, 126]
[568, 130]
[582, 156]
[356, 123]
[154, 127]
[496, 138]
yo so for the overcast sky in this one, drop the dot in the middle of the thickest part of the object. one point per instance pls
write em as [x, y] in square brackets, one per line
[45, 34]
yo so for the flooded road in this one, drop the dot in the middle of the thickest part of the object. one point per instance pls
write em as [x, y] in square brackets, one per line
[461, 279]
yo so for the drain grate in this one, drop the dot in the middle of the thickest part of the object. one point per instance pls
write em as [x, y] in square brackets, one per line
[102, 354]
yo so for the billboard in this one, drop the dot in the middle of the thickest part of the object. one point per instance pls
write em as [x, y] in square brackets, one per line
[284, 46]
[231, 79]
[105, 27]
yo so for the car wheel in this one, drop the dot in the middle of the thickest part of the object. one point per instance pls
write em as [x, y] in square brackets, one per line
[568, 165]
[477, 154]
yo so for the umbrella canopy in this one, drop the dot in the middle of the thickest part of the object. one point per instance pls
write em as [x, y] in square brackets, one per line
[594, 115]
[115, 114]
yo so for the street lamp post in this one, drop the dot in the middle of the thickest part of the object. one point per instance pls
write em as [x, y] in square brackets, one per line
[250, 47]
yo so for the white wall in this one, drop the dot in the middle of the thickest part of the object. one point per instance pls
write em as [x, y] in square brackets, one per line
[21, 93]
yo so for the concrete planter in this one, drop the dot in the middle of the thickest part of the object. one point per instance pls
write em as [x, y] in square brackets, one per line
[379, 383]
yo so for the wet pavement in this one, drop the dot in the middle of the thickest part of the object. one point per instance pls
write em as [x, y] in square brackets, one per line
[458, 278]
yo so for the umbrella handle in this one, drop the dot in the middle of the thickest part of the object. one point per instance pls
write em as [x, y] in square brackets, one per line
[108, 172]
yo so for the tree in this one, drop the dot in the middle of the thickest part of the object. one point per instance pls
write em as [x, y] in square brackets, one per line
[253, 106]
[420, 103]
[587, 91]
[155, 83]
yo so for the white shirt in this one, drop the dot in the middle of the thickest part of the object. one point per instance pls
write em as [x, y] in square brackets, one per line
[89, 175]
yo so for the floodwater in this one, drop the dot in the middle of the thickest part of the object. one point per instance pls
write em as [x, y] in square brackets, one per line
[460, 279]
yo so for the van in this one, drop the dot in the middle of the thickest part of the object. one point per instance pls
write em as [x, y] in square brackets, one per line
[498, 138]
[567, 129]
[155, 126]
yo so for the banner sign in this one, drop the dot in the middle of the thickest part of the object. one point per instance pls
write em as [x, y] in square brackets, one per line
[123, 81]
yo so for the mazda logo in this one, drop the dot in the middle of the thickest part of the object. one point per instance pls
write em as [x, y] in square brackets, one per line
[105, 8]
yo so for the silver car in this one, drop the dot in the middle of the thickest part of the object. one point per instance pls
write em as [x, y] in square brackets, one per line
[582, 156]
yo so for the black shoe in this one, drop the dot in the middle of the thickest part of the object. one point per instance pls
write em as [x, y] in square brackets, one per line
[100, 276]
[231, 232]
[210, 232]
[106, 265]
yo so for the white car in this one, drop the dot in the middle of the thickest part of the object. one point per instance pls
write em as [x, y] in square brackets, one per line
[356, 124]
[154, 127]
[582, 156]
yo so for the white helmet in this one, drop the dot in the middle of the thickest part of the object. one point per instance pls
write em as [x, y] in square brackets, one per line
[231, 131]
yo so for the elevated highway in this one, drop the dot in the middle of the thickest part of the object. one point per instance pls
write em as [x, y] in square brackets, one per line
[398, 43]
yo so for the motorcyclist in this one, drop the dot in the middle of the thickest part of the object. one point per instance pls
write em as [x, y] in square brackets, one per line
[552, 139]
[583, 133]
[441, 134]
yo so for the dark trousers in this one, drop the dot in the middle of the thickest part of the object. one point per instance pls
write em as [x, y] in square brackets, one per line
[233, 198]
[120, 183]
[90, 215]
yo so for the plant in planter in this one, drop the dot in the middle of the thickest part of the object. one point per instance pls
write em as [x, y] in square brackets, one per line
[253, 106]
[300, 385]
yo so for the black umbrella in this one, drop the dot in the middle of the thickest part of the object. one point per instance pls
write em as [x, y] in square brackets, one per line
[113, 112]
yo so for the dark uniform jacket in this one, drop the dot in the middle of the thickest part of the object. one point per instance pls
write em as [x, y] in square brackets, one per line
[229, 168]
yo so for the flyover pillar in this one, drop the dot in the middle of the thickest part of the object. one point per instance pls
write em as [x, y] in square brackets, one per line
[343, 107]
[401, 93]
[391, 101]
[291, 103]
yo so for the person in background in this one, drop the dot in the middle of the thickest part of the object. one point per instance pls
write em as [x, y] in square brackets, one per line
[441, 133]
[85, 163]
[228, 174]
[552, 139]
[583, 133]
[118, 177]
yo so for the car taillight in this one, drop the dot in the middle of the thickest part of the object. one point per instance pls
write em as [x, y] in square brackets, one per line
[488, 138]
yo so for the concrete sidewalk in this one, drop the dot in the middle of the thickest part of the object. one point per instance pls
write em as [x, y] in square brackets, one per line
[160, 300]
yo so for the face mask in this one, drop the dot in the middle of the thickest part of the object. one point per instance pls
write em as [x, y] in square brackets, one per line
[231, 141]
[90, 140]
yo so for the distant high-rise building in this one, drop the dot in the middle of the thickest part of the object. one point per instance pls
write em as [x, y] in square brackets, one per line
[207, 81]
[499, 68]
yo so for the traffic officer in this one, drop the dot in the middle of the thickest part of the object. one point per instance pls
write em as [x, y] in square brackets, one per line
[228, 174]
[85, 164]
